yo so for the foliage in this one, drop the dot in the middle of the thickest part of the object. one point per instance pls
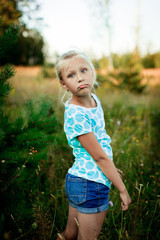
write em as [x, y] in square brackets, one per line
[122, 61]
[48, 71]
[29, 48]
[7, 41]
[23, 161]
[101, 63]
[24, 154]
[6, 73]
[132, 121]
[132, 125]
[127, 77]
[9, 14]
[12, 12]
[151, 60]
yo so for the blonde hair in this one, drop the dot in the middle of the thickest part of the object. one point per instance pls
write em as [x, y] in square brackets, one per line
[64, 58]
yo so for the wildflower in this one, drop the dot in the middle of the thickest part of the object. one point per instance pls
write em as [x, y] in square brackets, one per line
[111, 203]
[118, 123]
[3, 161]
[30, 153]
[141, 164]
[23, 166]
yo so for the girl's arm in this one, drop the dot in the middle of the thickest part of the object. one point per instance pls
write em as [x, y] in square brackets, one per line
[92, 146]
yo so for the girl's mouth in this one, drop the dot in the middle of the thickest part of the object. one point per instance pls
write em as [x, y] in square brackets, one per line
[83, 86]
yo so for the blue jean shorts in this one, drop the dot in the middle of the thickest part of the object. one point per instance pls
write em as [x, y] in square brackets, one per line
[85, 195]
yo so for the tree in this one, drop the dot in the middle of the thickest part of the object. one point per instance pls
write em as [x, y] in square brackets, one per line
[151, 60]
[7, 41]
[29, 49]
[24, 188]
[9, 14]
[127, 77]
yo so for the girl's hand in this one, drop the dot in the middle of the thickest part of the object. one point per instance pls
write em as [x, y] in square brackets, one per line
[126, 200]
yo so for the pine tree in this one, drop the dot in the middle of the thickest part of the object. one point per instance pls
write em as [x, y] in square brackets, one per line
[23, 155]
[7, 42]
[128, 77]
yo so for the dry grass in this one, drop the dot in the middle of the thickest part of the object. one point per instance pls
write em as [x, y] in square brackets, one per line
[28, 71]
[29, 82]
[151, 76]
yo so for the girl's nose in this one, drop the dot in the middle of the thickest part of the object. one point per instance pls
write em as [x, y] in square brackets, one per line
[80, 78]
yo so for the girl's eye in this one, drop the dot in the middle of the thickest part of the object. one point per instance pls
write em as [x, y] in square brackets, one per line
[84, 70]
[71, 75]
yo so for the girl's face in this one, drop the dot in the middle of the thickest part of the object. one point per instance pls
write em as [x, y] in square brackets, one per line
[77, 76]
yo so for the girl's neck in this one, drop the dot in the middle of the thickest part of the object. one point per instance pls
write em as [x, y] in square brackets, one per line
[84, 101]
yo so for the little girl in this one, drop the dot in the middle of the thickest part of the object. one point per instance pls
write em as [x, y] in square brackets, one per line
[88, 181]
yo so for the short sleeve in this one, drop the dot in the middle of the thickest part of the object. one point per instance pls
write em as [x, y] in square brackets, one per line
[76, 124]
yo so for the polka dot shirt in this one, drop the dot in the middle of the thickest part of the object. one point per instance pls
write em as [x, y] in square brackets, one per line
[81, 120]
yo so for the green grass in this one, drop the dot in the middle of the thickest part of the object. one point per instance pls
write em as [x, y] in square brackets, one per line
[133, 122]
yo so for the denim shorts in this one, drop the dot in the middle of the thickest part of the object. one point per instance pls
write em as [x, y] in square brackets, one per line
[85, 195]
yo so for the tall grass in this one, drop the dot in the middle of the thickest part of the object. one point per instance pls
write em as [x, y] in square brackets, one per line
[133, 122]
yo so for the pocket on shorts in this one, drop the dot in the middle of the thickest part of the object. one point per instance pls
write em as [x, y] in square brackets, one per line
[76, 189]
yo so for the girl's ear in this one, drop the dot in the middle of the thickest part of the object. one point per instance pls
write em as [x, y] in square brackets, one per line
[64, 85]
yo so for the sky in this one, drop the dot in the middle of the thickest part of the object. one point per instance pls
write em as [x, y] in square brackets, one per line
[82, 24]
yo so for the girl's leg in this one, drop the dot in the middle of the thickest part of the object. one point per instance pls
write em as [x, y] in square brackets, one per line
[90, 225]
[71, 231]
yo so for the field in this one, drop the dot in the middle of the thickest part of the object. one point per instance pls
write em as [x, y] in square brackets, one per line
[133, 122]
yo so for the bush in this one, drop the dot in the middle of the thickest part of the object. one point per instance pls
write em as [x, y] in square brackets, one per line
[24, 183]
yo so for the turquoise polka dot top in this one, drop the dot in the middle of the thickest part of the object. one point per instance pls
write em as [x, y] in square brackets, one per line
[81, 120]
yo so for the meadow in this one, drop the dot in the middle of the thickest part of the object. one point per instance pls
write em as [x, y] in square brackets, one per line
[132, 121]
